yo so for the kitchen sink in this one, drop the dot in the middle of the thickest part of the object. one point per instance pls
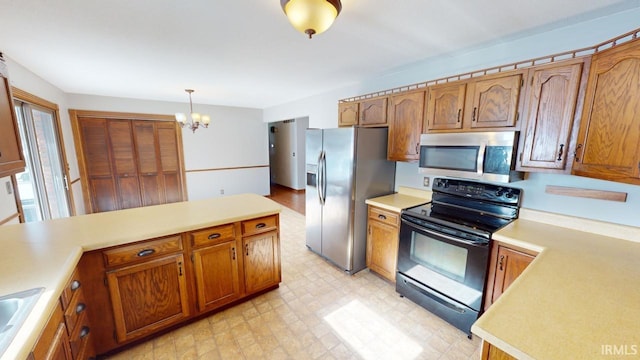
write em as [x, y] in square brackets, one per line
[14, 309]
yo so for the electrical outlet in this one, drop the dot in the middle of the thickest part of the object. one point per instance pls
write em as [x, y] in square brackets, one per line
[221, 191]
[425, 182]
[9, 188]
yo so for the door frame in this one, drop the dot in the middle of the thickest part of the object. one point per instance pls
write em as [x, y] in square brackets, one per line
[26, 97]
[75, 114]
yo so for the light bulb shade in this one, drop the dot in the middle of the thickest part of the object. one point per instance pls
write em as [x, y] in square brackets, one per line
[205, 120]
[181, 118]
[195, 117]
[311, 16]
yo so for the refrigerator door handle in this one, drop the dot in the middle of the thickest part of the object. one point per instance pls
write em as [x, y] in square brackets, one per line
[321, 174]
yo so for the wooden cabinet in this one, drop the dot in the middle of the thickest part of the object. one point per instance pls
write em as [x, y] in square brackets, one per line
[445, 107]
[11, 156]
[491, 352]
[150, 286]
[215, 261]
[53, 343]
[347, 113]
[609, 137]
[406, 112]
[373, 112]
[261, 253]
[67, 335]
[553, 100]
[383, 228]
[148, 290]
[506, 264]
[493, 101]
[127, 163]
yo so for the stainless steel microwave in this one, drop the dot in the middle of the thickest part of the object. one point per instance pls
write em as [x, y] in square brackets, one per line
[486, 156]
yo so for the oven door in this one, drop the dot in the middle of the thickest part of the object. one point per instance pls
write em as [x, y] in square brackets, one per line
[444, 264]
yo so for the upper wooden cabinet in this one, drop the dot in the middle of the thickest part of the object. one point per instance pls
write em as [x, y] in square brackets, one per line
[553, 101]
[406, 112]
[609, 138]
[11, 156]
[445, 106]
[127, 163]
[347, 113]
[373, 112]
[493, 101]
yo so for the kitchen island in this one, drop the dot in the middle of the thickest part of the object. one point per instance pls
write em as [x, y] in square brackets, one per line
[45, 254]
[577, 300]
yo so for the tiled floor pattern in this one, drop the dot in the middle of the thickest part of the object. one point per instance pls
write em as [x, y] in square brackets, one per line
[318, 312]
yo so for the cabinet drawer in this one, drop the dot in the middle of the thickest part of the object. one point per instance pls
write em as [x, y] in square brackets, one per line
[80, 336]
[255, 226]
[147, 249]
[72, 286]
[385, 216]
[76, 307]
[213, 236]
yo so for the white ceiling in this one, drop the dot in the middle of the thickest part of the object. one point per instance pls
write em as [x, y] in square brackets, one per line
[244, 52]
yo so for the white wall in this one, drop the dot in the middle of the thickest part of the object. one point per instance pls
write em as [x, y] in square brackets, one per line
[322, 109]
[7, 201]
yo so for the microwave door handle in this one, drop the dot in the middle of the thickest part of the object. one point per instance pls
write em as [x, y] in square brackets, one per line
[480, 160]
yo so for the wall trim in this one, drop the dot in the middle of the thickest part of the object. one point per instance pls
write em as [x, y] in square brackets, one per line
[6, 220]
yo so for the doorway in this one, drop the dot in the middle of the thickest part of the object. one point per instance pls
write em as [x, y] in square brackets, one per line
[44, 186]
[287, 152]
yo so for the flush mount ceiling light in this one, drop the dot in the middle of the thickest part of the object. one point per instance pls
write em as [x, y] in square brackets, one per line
[311, 16]
[195, 119]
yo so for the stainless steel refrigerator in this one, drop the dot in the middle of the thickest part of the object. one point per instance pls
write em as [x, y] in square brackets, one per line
[344, 167]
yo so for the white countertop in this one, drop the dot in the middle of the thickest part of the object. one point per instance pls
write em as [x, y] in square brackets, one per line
[406, 197]
[44, 254]
[580, 295]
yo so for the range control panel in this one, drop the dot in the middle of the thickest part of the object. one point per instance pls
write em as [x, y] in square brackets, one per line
[478, 191]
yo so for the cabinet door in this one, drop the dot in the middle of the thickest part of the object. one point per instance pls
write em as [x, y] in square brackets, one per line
[445, 105]
[216, 271]
[494, 101]
[347, 113]
[550, 109]
[406, 113]
[11, 156]
[382, 249]
[609, 138]
[510, 264]
[53, 343]
[373, 112]
[261, 261]
[148, 296]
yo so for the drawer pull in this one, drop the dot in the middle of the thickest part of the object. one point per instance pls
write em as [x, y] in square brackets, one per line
[80, 308]
[260, 225]
[75, 285]
[501, 262]
[84, 332]
[382, 217]
[146, 252]
[233, 253]
[213, 236]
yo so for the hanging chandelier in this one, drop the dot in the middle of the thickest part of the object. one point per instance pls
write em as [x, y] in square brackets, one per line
[194, 120]
[311, 16]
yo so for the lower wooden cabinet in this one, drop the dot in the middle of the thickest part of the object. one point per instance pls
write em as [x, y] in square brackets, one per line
[148, 296]
[53, 343]
[491, 352]
[506, 264]
[139, 289]
[382, 242]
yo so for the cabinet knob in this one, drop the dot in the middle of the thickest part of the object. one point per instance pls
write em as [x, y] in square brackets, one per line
[75, 285]
[213, 236]
[146, 252]
[501, 262]
[560, 152]
[575, 154]
[80, 308]
[84, 332]
[260, 225]
[473, 114]
[382, 217]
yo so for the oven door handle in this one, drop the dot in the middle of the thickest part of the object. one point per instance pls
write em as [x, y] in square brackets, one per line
[435, 297]
[448, 237]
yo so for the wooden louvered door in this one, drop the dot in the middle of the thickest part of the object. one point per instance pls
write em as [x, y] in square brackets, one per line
[128, 160]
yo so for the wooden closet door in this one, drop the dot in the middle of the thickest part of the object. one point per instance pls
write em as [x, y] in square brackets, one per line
[170, 161]
[151, 184]
[124, 164]
[101, 187]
